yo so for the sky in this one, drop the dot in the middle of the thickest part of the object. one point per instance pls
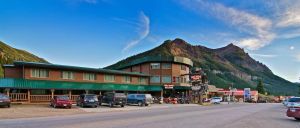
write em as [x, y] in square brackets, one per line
[97, 33]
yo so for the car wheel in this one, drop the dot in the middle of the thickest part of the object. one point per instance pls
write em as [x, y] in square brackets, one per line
[140, 103]
[81, 105]
[54, 106]
[8, 106]
[100, 103]
[297, 118]
[122, 105]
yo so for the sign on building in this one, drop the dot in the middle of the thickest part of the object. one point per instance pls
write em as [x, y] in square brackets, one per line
[169, 86]
[247, 94]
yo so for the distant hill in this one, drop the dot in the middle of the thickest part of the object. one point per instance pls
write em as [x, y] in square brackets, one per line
[226, 65]
[9, 54]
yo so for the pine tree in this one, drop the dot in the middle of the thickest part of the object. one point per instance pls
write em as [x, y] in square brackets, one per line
[260, 87]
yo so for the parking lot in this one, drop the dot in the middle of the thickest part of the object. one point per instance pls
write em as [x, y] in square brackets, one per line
[43, 110]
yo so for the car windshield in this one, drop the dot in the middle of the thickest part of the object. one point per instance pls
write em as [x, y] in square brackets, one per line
[120, 95]
[140, 96]
[294, 100]
[90, 97]
[3, 97]
[63, 97]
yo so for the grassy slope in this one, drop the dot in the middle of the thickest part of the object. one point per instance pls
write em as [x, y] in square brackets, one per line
[9, 54]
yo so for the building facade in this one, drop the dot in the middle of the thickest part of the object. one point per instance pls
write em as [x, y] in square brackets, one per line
[170, 72]
[39, 82]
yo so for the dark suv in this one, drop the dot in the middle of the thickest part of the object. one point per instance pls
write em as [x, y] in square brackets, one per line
[139, 99]
[87, 100]
[112, 98]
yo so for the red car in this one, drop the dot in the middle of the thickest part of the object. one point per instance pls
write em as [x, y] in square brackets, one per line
[61, 101]
[294, 108]
[293, 112]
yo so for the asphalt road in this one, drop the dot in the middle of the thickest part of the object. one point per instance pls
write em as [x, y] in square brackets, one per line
[218, 116]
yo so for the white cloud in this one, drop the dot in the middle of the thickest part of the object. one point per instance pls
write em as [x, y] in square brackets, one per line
[257, 29]
[292, 48]
[289, 13]
[143, 31]
[263, 55]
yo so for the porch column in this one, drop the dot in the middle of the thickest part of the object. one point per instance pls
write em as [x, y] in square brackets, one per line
[100, 93]
[7, 91]
[28, 96]
[52, 93]
[86, 91]
[161, 93]
[70, 94]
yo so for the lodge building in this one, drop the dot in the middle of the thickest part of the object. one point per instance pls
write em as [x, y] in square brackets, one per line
[39, 82]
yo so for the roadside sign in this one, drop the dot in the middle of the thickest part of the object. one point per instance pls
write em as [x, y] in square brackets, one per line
[196, 77]
[247, 93]
[196, 88]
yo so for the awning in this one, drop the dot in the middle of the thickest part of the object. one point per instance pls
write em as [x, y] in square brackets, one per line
[182, 87]
[64, 85]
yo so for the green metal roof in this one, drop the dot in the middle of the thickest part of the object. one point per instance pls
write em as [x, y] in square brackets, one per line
[174, 59]
[76, 68]
[62, 85]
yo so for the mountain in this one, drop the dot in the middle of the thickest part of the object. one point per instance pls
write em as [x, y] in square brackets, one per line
[9, 54]
[223, 66]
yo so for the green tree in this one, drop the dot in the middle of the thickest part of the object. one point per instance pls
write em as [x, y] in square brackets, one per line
[260, 87]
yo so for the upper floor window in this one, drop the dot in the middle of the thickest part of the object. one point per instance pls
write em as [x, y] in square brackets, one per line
[155, 65]
[166, 79]
[109, 78]
[67, 75]
[40, 73]
[155, 79]
[176, 79]
[142, 80]
[89, 76]
[126, 79]
[166, 66]
[183, 67]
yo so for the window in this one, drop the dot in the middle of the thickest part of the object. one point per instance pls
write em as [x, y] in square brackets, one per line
[142, 80]
[89, 76]
[126, 79]
[155, 65]
[176, 79]
[40, 73]
[166, 79]
[166, 66]
[183, 67]
[109, 78]
[67, 75]
[155, 79]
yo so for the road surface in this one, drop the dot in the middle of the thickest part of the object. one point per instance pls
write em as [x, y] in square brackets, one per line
[218, 116]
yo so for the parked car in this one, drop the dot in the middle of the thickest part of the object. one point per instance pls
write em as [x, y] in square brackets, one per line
[4, 100]
[87, 100]
[139, 99]
[61, 101]
[216, 100]
[112, 99]
[294, 108]
[293, 102]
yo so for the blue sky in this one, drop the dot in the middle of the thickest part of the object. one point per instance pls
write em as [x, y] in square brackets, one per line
[97, 33]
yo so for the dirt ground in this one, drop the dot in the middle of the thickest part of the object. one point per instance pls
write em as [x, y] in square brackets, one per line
[34, 110]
